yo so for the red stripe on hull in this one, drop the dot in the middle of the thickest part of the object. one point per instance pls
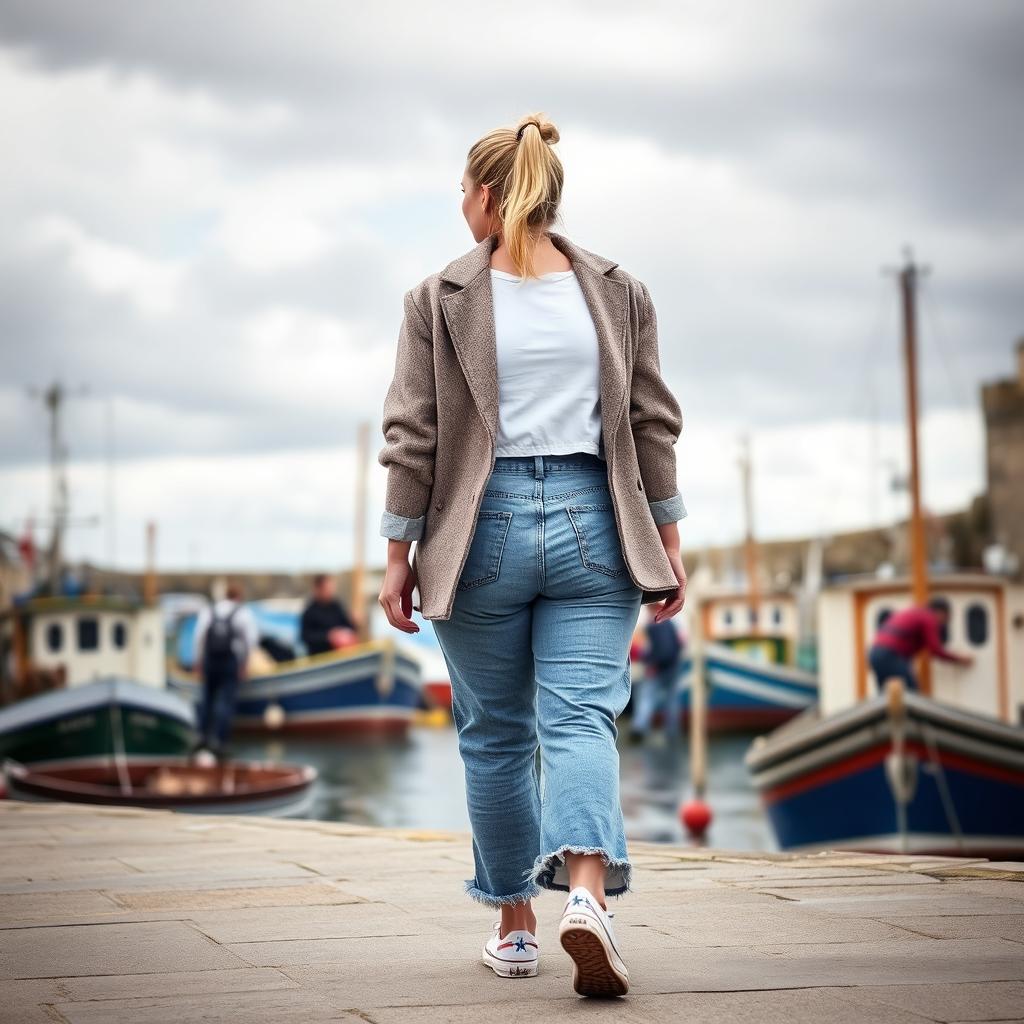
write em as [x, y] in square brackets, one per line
[744, 719]
[875, 755]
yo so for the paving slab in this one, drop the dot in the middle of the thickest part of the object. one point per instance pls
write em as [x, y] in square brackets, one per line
[970, 1001]
[116, 915]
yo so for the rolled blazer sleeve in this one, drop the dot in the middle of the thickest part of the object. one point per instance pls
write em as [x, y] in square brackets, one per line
[410, 429]
[656, 420]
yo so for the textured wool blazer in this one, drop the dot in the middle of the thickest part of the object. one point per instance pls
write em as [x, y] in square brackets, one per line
[440, 419]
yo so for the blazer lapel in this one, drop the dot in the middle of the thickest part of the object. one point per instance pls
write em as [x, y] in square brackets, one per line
[469, 315]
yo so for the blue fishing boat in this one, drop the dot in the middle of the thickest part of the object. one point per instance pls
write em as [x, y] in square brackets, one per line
[749, 694]
[936, 771]
[901, 771]
[369, 687]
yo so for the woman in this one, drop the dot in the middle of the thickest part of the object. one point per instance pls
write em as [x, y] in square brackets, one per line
[530, 456]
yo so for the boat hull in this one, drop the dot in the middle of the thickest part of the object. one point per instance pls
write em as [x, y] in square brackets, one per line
[747, 695]
[85, 725]
[256, 788]
[936, 780]
[374, 690]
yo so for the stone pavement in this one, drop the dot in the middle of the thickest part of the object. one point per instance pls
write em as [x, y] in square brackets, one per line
[113, 915]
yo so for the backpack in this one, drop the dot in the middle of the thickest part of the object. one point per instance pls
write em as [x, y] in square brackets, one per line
[219, 653]
[664, 644]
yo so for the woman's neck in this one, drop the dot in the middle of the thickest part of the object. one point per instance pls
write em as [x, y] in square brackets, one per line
[547, 257]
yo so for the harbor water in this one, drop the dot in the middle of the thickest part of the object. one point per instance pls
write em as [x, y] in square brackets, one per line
[417, 782]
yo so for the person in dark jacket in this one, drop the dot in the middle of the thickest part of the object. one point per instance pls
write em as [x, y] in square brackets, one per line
[226, 634]
[326, 625]
[906, 633]
[659, 689]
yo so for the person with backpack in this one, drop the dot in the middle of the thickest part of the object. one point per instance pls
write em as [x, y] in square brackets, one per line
[663, 660]
[226, 634]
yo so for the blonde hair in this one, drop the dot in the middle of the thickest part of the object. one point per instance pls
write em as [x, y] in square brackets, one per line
[525, 177]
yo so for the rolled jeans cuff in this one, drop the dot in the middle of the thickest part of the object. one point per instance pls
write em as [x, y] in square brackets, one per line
[396, 527]
[668, 510]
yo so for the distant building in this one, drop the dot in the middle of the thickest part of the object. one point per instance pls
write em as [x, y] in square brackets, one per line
[1003, 402]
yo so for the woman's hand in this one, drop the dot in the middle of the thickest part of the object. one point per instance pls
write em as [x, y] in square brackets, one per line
[672, 605]
[396, 591]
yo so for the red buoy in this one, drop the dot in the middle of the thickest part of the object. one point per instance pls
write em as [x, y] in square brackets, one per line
[695, 816]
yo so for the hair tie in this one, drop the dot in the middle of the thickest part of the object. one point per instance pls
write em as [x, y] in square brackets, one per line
[519, 134]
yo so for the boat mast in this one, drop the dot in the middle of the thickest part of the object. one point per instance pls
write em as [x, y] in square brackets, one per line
[357, 593]
[54, 398]
[908, 278]
[749, 542]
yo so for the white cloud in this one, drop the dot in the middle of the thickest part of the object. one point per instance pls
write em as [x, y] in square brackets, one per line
[249, 217]
[111, 269]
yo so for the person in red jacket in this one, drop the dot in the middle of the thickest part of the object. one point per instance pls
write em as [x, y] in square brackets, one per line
[906, 633]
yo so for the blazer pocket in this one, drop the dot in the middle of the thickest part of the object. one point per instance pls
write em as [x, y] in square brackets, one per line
[483, 563]
[598, 536]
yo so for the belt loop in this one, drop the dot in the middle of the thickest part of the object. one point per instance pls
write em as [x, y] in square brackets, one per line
[538, 466]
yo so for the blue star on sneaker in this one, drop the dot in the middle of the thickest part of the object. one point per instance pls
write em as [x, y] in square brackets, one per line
[521, 945]
[577, 900]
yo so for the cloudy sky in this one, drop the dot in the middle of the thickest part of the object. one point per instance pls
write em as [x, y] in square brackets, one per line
[211, 212]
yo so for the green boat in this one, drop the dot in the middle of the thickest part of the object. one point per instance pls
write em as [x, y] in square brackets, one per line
[82, 683]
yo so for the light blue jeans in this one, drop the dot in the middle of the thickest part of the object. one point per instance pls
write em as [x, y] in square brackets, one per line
[537, 648]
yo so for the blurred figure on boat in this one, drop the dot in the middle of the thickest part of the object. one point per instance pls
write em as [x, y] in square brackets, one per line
[903, 635]
[659, 688]
[326, 626]
[226, 635]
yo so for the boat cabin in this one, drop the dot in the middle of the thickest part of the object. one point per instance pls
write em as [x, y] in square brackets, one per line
[986, 621]
[767, 630]
[69, 641]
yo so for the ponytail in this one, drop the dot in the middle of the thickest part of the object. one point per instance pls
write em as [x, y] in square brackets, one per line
[525, 176]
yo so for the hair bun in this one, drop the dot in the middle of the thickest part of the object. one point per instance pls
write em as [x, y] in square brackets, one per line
[548, 132]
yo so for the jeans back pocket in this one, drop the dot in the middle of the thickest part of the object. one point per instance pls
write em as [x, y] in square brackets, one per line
[598, 536]
[484, 559]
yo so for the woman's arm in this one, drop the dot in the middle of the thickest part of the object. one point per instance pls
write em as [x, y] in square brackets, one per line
[410, 432]
[410, 429]
[657, 421]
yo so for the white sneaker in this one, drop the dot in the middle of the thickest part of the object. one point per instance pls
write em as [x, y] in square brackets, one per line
[586, 934]
[514, 956]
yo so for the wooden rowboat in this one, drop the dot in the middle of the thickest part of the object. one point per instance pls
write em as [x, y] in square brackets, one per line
[235, 787]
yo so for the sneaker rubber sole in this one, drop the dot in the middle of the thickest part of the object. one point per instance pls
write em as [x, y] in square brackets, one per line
[593, 972]
[509, 968]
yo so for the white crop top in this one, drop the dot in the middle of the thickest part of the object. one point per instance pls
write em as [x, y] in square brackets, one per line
[549, 398]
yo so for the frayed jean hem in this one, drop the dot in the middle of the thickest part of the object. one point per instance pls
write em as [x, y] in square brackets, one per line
[472, 889]
[551, 872]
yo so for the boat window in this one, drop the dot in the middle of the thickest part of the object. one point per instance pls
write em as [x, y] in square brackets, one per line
[883, 615]
[54, 637]
[777, 615]
[88, 634]
[120, 635]
[727, 617]
[977, 625]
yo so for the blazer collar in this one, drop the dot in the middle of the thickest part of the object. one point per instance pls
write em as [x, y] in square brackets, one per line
[464, 268]
[469, 313]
